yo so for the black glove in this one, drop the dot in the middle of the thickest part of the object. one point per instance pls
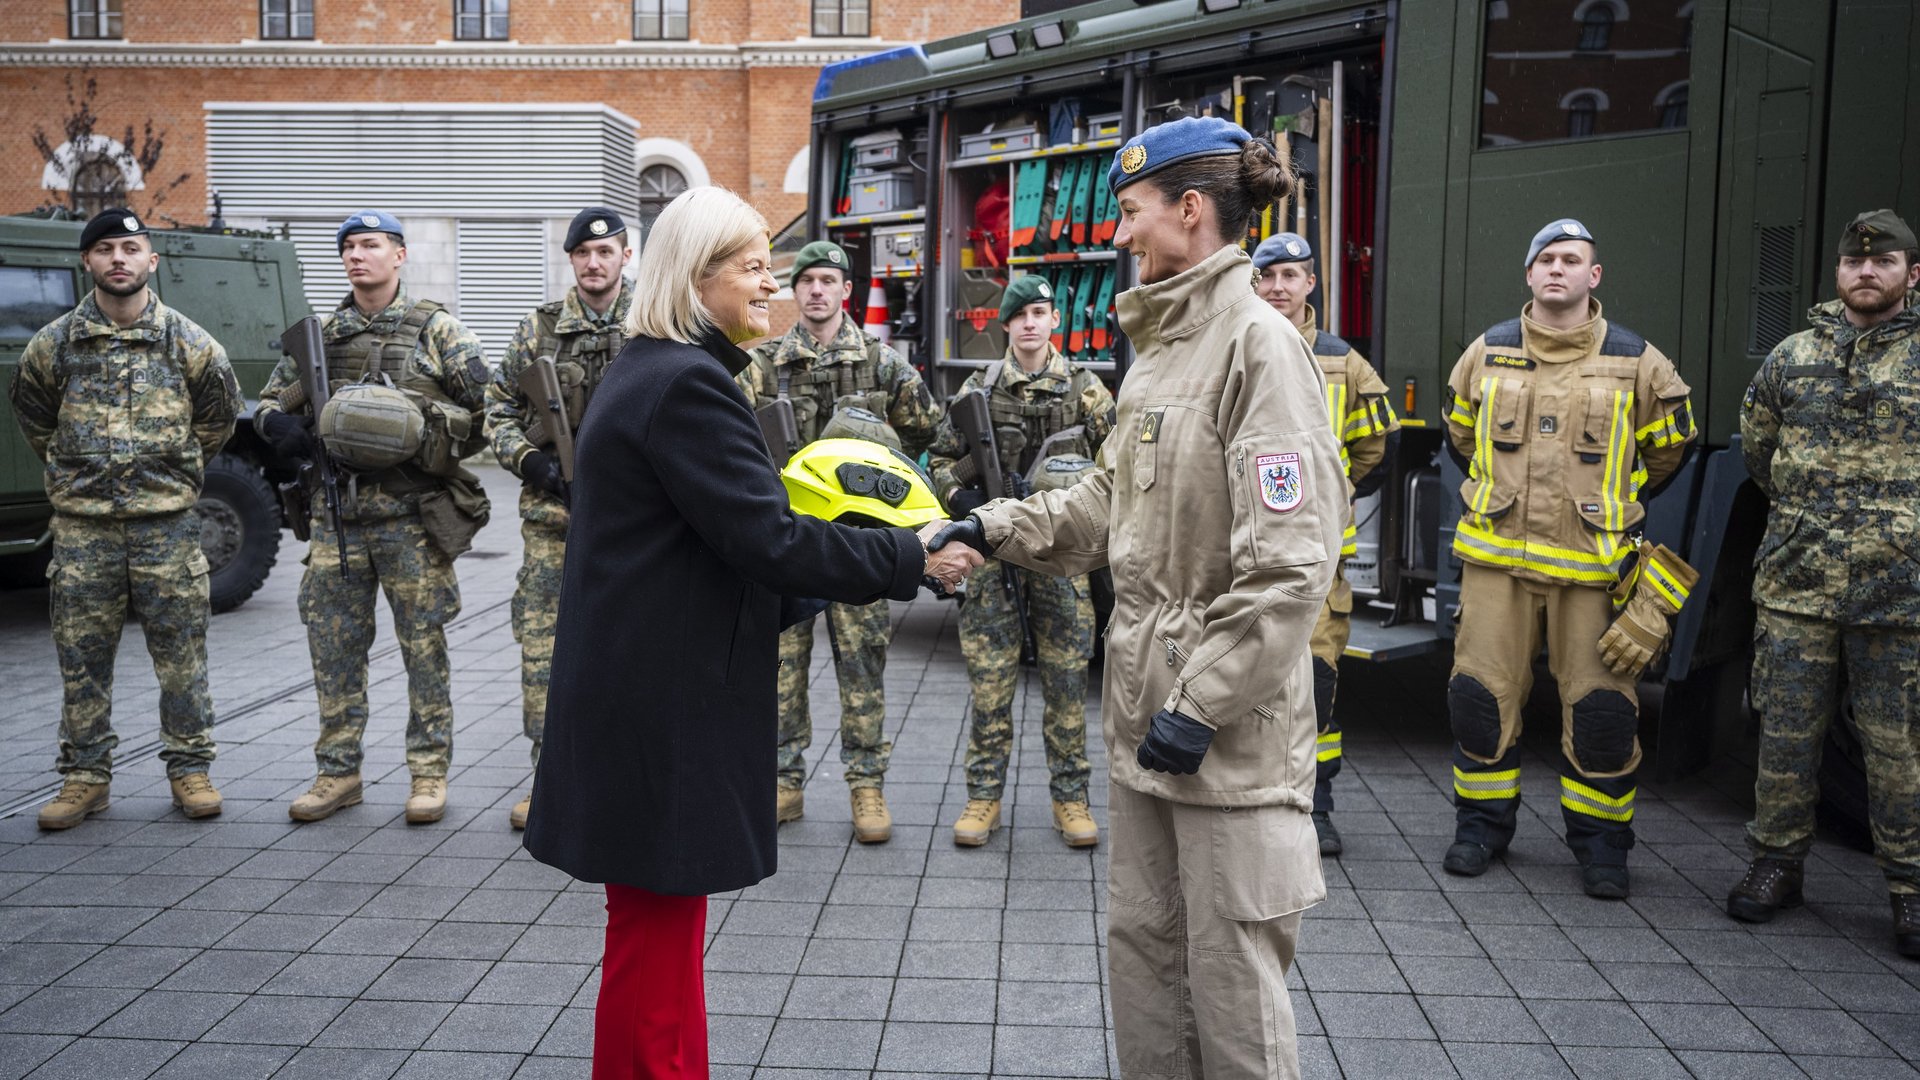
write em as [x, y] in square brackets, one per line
[542, 470]
[965, 501]
[968, 531]
[291, 436]
[1174, 744]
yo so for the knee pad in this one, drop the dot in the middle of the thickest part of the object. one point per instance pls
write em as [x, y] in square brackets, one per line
[1325, 682]
[1605, 723]
[1476, 716]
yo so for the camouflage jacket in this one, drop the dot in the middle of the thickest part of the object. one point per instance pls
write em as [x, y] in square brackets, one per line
[822, 380]
[1831, 432]
[508, 414]
[1094, 407]
[448, 353]
[125, 418]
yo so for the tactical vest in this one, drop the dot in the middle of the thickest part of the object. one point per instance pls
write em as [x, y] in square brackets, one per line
[386, 347]
[818, 391]
[580, 358]
[1022, 425]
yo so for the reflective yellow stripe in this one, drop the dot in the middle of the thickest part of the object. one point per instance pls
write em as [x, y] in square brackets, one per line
[1461, 414]
[1663, 583]
[1349, 541]
[1483, 450]
[1470, 541]
[1619, 453]
[1486, 785]
[1582, 799]
[1327, 747]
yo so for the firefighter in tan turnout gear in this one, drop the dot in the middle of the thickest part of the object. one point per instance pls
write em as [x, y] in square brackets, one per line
[578, 335]
[1563, 422]
[1363, 423]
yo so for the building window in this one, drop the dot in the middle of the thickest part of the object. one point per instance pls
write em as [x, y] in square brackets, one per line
[659, 185]
[480, 20]
[1596, 28]
[660, 20]
[93, 18]
[98, 183]
[286, 19]
[1581, 111]
[840, 18]
[1673, 108]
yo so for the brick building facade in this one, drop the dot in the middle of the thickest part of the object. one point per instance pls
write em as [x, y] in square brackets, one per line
[715, 91]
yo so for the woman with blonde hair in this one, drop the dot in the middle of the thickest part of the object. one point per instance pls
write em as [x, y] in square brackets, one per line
[657, 777]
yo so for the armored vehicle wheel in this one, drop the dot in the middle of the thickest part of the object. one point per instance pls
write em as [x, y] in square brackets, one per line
[239, 529]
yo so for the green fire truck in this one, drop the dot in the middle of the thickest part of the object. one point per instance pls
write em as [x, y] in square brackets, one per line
[1715, 148]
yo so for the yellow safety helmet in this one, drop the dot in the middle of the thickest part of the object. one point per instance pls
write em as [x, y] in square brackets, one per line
[857, 482]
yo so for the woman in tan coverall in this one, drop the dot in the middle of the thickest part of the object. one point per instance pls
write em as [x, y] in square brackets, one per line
[1219, 503]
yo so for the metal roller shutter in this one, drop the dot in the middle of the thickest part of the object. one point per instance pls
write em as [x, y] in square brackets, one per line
[502, 277]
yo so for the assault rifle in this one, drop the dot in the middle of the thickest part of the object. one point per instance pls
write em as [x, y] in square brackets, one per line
[780, 429]
[982, 464]
[302, 342]
[540, 381]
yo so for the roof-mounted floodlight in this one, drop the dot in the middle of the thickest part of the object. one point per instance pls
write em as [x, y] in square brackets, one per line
[1000, 46]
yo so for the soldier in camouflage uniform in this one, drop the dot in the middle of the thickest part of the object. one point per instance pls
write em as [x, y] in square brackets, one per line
[842, 382]
[1364, 424]
[403, 525]
[126, 400]
[1034, 395]
[1829, 428]
[582, 333]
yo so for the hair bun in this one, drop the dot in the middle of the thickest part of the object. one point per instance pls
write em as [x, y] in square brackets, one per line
[1267, 176]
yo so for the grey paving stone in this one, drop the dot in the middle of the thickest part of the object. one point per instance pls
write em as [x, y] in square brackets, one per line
[101, 925]
[877, 922]
[955, 924]
[233, 971]
[324, 1063]
[823, 1044]
[945, 1000]
[1352, 972]
[1462, 975]
[41, 963]
[1049, 927]
[1895, 1029]
[327, 975]
[1391, 1059]
[765, 955]
[1049, 1051]
[530, 984]
[1526, 943]
[851, 958]
[134, 966]
[1050, 963]
[458, 1065]
[448, 871]
[279, 1021]
[1522, 1062]
[1868, 991]
[467, 941]
[427, 980]
[559, 945]
[365, 936]
[1622, 943]
[1370, 1016]
[1020, 894]
[64, 1010]
[20, 1054]
[507, 1029]
[271, 931]
[1852, 1068]
[1817, 1031]
[384, 1025]
[937, 1048]
[185, 928]
[1765, 986]
[238, 894]
[1659, 983]
[1428, 939]
[204, 1060]
[746, 993]
[869, 889]
[1703, 1027]
[1720, 1065]
[838, 998]
[107, 1059]
[1620, 1063]
[1534, 979]
[1316, 1059]
[502, 905]
[1481, 1020]
[325, 897]
[735, 1040]
[1055, 1004]
[169, 1014]
[552, 1068]
[1590, 1023]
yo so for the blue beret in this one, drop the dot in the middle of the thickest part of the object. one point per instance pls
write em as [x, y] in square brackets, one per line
[369, 221]
[1283, 247]
[113, 221]
[1158, 147]
[594, 223]
[1564, 229]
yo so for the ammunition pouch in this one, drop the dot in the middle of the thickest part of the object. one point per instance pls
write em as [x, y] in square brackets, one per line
[856, 422]
[451, 434]
[454, 511]
[371, 425]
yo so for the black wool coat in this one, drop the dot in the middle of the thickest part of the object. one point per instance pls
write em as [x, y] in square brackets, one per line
[657, 767]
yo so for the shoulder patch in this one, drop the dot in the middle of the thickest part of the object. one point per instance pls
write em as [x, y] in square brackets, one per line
[1621, 341]
[1325, 344]
[552, 307]
[1504, 335]
[1279, 480]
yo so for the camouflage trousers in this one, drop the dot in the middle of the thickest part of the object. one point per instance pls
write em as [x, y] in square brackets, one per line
[104, 568]
[859, 634]
[1061, 612]
[1799, 664]
[396, 556]
[536, 610]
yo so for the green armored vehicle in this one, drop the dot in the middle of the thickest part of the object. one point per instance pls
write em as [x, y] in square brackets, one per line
[241, 287]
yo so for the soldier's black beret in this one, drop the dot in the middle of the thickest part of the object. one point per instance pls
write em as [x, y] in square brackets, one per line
[115, 221]
[594, 223]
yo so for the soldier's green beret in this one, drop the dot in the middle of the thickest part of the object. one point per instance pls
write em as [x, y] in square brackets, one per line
[822, 253]
[1026, 289]
[1876, 232]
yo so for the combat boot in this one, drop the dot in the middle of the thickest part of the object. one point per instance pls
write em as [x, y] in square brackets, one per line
[1768, 885]
[328, 794]
[789, 804]
[1074, 822]
[1328, 835]
[871, 822]
[518, 816]
[1468, 859]
[428, 803]
[977, 822]
[76, 800]
[1604, 881]
[1906, 924]
[195, 795]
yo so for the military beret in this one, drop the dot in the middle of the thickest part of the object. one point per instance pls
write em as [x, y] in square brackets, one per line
[1180, 140]
[1283, 247]
[1875, 233]
[594, 223]
[822, 253]
[369, 221]
[1025, 289]
[1564, 229]
[113, 221]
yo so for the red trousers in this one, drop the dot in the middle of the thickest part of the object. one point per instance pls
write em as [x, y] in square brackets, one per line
[651, 1021]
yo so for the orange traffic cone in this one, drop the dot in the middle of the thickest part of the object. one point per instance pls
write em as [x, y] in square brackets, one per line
[875, 321]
